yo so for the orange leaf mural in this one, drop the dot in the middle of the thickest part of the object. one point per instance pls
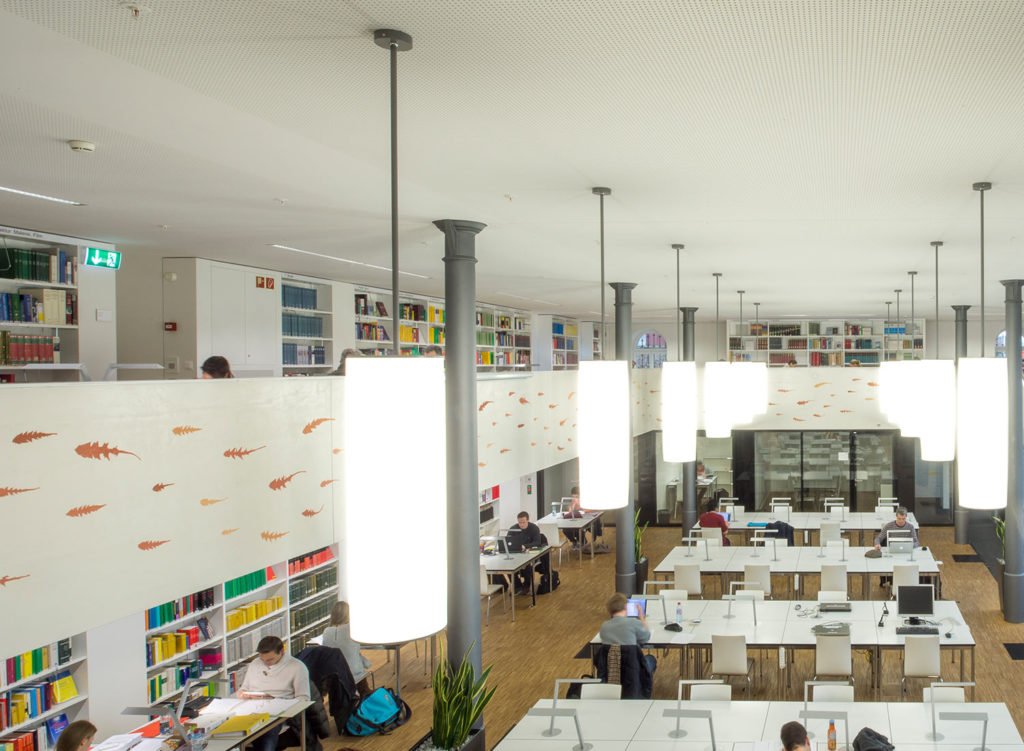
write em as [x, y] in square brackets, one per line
[483, 404]
[481, 464]
[872, 383]
[823, 383]
[14, 491]
[4, 579]
[240, 453]
[552, 406]
[337, 451]
[508, 414]
[152, 544]
[310, 512]
[504, 451]
[511, 393]
[805, 401]
[229, 531]
[210, 501]
[185, 430]
[161, 485]
[29, 436]
[523, 400]
[562, 422]
[798, 419]
[271, 536]
[314, 424]
[572, 394]
[95, 451]
[817, 415]
[533, 443]
[846, 411]
[488, 445]
[560, 448]
[540, 393]
[784, 391]
[520, 425]
[325, 483]
[855, 379]
[279, 482]
[85, 510]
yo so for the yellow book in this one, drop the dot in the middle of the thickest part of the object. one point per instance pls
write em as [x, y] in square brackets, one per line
[64, 689]
[240, 726]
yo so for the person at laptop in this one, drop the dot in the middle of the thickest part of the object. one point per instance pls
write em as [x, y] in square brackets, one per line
[901, 524]
[576, 536]
[711, 518]
[794, 737]
[521, 536]
[621, 628]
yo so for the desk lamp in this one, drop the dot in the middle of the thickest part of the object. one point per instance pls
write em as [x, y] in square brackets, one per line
[553, 731]
[734, 595]
[981, 717]
[935, 735]
[764, 540]
[692, 540]
[698, 714]
[830, 714]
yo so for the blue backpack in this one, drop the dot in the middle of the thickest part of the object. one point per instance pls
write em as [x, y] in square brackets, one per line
[378, 712]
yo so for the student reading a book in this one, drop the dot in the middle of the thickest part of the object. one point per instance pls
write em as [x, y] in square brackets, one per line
[273, 675]
[337, 635]
[578, 537]
[216, 366]
[77, 736]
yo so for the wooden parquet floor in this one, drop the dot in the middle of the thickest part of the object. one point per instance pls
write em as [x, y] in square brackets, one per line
[528, 655]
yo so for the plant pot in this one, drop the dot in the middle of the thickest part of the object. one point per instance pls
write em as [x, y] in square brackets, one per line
[1000, 569]
[641, 574]
[475, 742]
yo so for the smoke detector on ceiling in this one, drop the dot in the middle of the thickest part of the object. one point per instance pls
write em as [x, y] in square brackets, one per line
[82, 146]
[134, 8]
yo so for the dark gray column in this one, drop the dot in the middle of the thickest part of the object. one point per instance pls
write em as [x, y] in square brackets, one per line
[463, 479]
[625, 560]
[1013, 576]
[689, 473]
[961, 516]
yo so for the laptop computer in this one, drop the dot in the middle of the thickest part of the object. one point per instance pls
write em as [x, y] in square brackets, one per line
[901, 546]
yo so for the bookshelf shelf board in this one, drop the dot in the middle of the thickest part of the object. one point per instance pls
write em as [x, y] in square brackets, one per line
[485, 328]
[23, 325]
[53, 711]
[366, 317]
[307, 311]
[179, 656]
[312, 569]
[239, 661]
[306, 367]
[312, 597]
[42, 674]
[36, 283]
[306, 338]
[434, 325]
[314, 624]
[409, 320]
[170, 625]
[373, 343]
[269, 616]
[239, 599]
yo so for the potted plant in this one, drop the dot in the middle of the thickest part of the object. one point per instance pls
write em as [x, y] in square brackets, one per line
[638, 552]
[1001, 561]
[459, 700]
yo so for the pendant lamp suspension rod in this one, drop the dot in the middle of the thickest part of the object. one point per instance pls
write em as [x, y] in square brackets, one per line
[898, 292]
[936, 244]
[395, 42]
[718, 276]
[912, 274]
[757, 315]
[601, 193]
[679, 324]
[741, 292]
[981, 188]
[888, 310]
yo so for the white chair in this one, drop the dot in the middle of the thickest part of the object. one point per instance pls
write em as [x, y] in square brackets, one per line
[600, 691]
[832, 656]
[832, 693]
[712, 534]
[948, 694]
[488, 590]
[711, 692]
[920, 659]
[833, 577]
[831, 595]
[904, 574]
[758, 576]
[550, 532]
[687, 576]
[491, 528]
[729, 657]
[830, 532]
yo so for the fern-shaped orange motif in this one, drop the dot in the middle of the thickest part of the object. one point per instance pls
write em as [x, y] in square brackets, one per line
[483, 404]
[211, 501]
[336, 451]
[185, 430]
[85, 510]
[310, 512]
[161, 485]
[229, 531]
[241, 453]
[95, 451]
[14, 491]
[313, 425]
[271, 536]
[523, 400]
[325, 483]
[4, 579]
[279, 482]
[29, 436]
[152, 544]
[572, 394]
[504, 451]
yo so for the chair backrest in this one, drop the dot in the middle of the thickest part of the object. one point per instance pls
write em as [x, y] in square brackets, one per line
[711, 534]
[759, 575]
[838, 543]
[729, 654]
[550, 532]
[921, 656]
[711, 692]
[782, 511]
[490, 528]
[951, 694]
[832, 693]
[832, 655]
[905, 573]
[839, 511]
[600, 691]
[830, 532]
[745, 593]
[833, 577]
[687, 576]
[484, 584]
[831, 595]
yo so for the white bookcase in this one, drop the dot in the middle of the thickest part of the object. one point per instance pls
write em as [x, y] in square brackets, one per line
[555, 342]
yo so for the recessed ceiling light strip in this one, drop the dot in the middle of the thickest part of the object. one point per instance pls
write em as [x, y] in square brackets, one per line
[40, 195]
[345, 260]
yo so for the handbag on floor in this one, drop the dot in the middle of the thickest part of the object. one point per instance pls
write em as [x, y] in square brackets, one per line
[379, 712]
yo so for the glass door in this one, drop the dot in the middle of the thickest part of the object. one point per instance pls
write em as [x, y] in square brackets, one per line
[826, 468]
[776, 467]
[871, 467]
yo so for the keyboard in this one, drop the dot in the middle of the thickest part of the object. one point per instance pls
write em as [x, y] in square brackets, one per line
[835, 607]
[916, 630]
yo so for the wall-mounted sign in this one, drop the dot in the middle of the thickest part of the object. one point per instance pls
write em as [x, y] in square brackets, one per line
[108, 259]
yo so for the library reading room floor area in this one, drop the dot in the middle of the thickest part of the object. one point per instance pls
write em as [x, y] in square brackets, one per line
[528, 655]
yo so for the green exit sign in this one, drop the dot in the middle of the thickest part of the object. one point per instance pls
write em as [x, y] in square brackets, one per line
[108, 259]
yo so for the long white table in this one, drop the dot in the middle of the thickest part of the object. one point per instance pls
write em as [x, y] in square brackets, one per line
[805, 522]
[508, 564]
[642, 725]
[581, 524]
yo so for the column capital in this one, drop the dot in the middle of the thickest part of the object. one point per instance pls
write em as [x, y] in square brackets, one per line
[1013, 289]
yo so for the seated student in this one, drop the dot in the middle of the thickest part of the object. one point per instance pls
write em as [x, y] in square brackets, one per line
[523, 535]
[629, 631]
[276, 675]
[711, 518]
[576, 536]
[77, 736]
[794, 737]
[900, 524]
[337, 635]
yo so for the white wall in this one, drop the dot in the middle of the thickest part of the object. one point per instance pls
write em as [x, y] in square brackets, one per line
[140, 315]
[97, 299]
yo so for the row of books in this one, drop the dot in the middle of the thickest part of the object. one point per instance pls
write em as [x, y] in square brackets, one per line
[39, 266]
[853, 329]
[435, 314]
[298, 297]
[247, 582]
[244, 645]
[435, 335]
[504, 322]
[303, 354]
[307, 586]
[308, 561]
[36, 661]
[565, 358]
[366, 308]
[42, 738]
[484, 318]
[33, 699]
[408, 311]
[160, 647]
[568, 329]
[175, 609]
[649, 359]
[563, 342]
[170, 680]
[27, 349]
[651, 340]
[372, 332]
[484, 358]
[512, 340]
[55, 307]
[485, 338]
[409, 334]
[313, 612]
[826, 358]
[861, 344]
[294, 324]
[251, 611]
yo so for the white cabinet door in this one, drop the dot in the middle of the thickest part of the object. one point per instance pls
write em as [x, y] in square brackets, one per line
[262, 320]
[227, 314]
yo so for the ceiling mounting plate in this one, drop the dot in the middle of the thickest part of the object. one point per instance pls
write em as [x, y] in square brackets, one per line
[387, 37]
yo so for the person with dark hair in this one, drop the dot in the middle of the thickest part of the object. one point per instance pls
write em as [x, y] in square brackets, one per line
[794, 737]
[337, 635]
[620, 628]
[576, 536]
[345, 354]
[711, 518]
[273, 675]
[900, 525]
[216, 366]
[433, 350]
[77, 736]
[522, 535]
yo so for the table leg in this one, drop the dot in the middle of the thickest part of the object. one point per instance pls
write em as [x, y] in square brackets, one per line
[512, 591]
[972, 671]
[398, 670]
[302, 731]
[593, 544]
[533, 580]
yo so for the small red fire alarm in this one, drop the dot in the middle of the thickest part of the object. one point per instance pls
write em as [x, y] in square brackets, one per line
[170, 326]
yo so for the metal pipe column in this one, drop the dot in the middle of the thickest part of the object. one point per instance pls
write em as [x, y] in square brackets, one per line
[460, 424]
[625, 559]
[961, 516]
[689, 473]
[1013, 575]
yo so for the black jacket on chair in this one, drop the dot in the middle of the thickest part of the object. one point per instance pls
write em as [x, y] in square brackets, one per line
[329, 672]
[634, 676]
[783, 531]
[317, 724]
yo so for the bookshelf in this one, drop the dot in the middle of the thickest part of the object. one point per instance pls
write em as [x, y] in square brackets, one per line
[825, 342]
[564, 344]
[650, 350]
[307, 326]
[716, 454]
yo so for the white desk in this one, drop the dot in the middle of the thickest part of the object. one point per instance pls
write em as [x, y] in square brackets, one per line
[806, 522]
[581, 524]
[508, 564]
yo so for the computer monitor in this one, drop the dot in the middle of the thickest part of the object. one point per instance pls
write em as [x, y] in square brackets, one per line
[635, 607]
[515, 540]
[915, 599]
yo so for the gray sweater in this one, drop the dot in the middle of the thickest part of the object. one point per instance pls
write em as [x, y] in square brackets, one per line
[880, 537]
[621, 629]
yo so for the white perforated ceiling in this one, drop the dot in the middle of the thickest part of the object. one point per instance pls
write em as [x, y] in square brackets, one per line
[808, 150]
